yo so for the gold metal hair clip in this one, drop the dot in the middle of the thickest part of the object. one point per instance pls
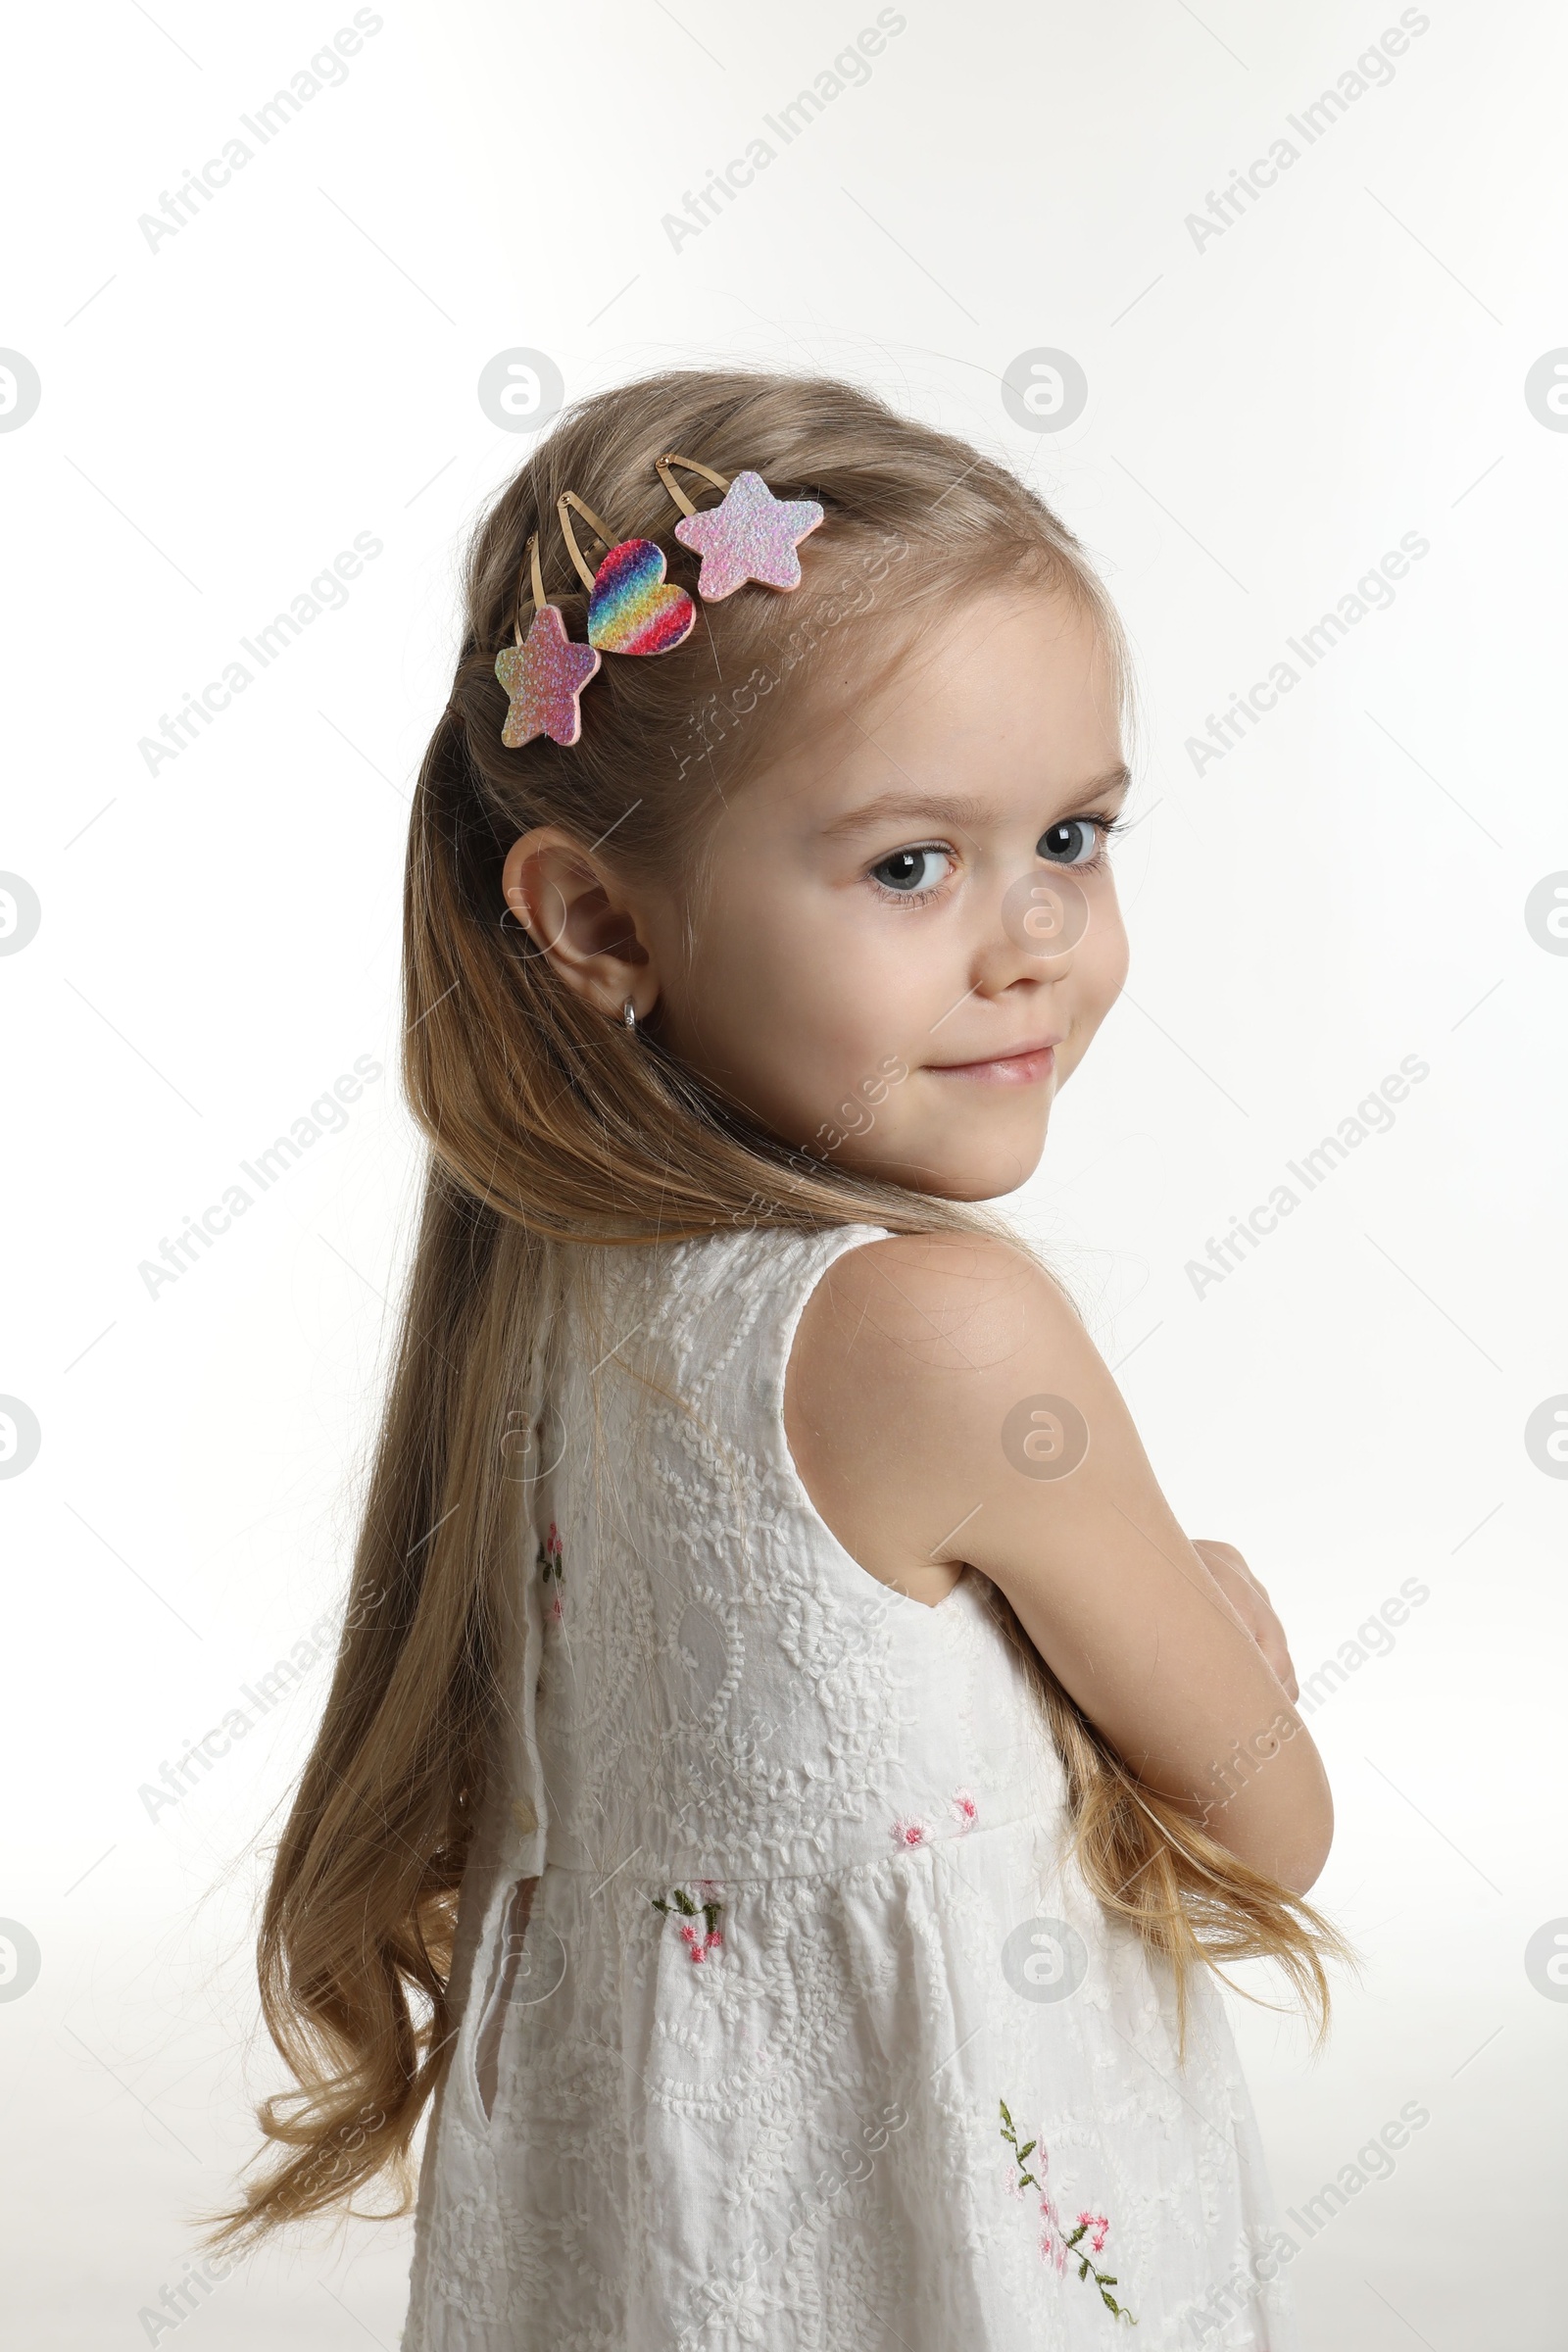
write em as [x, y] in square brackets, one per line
[751, 536]
[544, 674]
[631, 607]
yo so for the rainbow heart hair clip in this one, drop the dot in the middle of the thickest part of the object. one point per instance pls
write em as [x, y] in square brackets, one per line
[632, 607]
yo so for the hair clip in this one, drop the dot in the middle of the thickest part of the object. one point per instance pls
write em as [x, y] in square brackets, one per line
[631, 607]
[752, 535]
[632, 610]
[545, 673]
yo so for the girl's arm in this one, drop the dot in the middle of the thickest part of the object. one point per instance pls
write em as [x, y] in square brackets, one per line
[920, 1411]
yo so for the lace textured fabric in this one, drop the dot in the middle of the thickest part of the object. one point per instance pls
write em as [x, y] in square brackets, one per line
[808, 2038]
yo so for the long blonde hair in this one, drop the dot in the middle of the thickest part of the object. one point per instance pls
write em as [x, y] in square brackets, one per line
[551, 1131]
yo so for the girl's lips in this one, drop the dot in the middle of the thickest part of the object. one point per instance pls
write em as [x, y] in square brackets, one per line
[1029, 1068]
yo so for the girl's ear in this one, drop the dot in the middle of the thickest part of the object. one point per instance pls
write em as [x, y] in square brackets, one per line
[575, 913]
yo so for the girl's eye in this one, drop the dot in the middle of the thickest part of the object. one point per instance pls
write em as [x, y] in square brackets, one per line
[913, 872]
[1074, 842]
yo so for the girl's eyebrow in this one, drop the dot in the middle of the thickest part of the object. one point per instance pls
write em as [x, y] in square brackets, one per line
[962, 813]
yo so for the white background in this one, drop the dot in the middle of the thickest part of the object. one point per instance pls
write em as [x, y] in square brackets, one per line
[1267, 414]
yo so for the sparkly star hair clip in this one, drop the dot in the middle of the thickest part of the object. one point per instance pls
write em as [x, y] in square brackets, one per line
[632, 607]
[752, 535]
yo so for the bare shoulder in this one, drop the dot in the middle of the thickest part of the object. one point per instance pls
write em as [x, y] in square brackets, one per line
[938, 1313]
[909, 1357]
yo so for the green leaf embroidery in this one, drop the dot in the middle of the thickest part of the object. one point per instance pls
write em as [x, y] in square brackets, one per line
[678, 1903]
[1069, 2241]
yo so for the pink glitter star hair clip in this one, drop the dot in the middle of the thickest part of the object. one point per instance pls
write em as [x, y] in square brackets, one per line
[632, 610]
[751, 535]
[543, 673]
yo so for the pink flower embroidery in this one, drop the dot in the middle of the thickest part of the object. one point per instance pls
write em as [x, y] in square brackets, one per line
[910, 1829]
[551, 1569]
[1098, 2226]
[1056, 2246]
[698, 1923]
[1051, 2248]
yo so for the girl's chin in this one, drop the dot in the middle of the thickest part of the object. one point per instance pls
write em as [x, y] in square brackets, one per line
[946, 1176]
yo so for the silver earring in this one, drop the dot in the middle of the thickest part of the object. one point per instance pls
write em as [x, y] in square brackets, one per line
[628, 1013]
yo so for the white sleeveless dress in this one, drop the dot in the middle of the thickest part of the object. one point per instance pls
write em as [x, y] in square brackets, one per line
[801, 1930]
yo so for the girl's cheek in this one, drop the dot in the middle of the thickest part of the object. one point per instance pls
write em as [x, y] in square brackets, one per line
[1110, 954]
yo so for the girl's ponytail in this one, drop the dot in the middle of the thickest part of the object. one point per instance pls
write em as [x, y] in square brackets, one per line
[356, 1940]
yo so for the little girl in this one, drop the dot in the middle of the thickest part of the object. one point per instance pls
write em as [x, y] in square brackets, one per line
[788, 1778]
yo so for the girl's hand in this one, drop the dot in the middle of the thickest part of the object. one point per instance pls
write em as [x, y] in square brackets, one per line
[1251, 1604]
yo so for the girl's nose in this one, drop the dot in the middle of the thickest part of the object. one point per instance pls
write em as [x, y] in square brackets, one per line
[1043, 916]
